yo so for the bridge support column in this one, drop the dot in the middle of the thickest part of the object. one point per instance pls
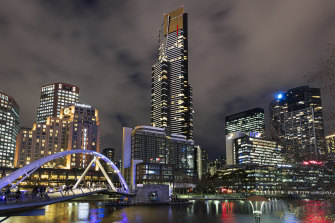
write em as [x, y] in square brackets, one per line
[84, 174]
[106, 175]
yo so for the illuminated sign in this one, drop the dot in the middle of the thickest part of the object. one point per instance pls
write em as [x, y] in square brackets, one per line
[66, 111]
[82, 105]
[312, 162]
[255, 134]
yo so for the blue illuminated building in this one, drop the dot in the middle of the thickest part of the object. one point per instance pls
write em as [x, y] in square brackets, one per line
[296, 122]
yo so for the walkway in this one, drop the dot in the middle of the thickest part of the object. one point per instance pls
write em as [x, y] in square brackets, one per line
[29, 202]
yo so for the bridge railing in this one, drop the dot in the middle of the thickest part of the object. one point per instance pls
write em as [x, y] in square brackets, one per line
[28, 196]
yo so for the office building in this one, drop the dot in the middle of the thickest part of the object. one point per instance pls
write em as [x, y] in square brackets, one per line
[110, 154]
[54, 97]
[300, 179]
[252, 120]
[171, 92]
[153, 145]
[230, 150]
[9, 128]
[152, 173]
[258, 151]
[296, 122]
[201, 161]
[77, 127]
[330, 146]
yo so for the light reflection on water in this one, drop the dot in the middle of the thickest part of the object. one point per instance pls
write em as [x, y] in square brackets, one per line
[201, 211]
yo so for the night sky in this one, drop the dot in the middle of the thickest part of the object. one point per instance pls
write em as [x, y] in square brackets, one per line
[240, 54]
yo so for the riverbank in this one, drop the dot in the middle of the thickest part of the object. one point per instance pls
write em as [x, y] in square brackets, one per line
[116, 204]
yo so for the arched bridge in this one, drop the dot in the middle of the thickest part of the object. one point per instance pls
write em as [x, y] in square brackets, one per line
[57, 196]
[32, 167]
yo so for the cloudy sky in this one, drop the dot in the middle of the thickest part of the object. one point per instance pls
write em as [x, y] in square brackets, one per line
[240, 54]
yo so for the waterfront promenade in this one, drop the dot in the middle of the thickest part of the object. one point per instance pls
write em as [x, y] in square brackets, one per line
[28, 201]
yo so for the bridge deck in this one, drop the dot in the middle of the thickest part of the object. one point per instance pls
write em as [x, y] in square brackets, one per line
[54, 197]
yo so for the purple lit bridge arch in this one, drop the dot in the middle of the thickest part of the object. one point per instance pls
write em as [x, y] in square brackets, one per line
[32, 167]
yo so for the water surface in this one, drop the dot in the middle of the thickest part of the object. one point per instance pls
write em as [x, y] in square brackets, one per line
[201, 211]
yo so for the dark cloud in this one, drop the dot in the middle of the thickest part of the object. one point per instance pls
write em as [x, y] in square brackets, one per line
[241, 53]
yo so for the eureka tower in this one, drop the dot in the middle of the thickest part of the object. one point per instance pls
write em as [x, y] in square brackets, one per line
[171, 93]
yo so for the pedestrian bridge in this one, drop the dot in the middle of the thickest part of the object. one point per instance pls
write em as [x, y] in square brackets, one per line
[25, 202]
[32, 200]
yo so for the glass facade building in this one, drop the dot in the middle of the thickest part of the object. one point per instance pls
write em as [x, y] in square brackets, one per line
[278, 180]
[153, 145]
[252, 120]
[257, 151]
[171, 93]
[296, 122]
[54, 97]
[151, 173]
[9, 128]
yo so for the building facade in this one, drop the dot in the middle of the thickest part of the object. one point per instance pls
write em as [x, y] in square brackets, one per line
[256, 151]
[77, 127]
[202, 161]
[152, 173]
[252, 120]
[230, 147]
[171, 93]
[9, 128]
[330, 145]
[54, 97]
[110, 154]
[153, 145]
[280, 180]
[296, 122]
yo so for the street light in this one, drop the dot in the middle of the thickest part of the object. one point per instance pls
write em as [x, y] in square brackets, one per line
[257, 203]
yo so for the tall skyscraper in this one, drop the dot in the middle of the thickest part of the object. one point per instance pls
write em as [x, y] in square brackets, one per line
[171, 93]
[9, 128]
[77, 127]
[54, 97]
[296, 122]
[252, 120]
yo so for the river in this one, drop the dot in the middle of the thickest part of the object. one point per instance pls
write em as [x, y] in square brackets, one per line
[200, 211]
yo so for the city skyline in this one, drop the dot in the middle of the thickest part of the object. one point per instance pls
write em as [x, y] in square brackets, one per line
[121, 90]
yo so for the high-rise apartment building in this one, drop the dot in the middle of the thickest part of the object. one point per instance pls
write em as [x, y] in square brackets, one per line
[171, 93]
[9, 128]
[77, 127]
[54, 97]
[296, 122]
[252, 120]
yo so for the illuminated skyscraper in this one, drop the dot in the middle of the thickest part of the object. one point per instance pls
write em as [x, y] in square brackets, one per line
[54, 97]
[9, 127]
[296, 122]
[77, 127]
[171, 93]
[252, 120]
